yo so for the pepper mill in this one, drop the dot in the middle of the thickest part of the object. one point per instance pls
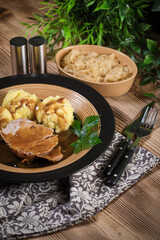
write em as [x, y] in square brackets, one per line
[37, 54]
[19, 55]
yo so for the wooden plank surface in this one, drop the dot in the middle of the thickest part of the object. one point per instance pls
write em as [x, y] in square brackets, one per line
[136, 213]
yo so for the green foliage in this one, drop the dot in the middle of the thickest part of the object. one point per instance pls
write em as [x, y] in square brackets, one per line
[152, 95]
[86, 136]
[118, 24]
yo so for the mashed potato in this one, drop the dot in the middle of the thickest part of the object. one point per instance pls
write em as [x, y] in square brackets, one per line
[20, 104]
[55, 112]
[5, 117]
[94, 67]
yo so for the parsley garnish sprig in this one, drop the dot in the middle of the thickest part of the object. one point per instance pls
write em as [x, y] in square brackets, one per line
[87, 137]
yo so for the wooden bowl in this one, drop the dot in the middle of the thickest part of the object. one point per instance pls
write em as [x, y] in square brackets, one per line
[106, 89]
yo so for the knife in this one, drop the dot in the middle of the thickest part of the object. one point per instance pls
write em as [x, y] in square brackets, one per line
[128, 132]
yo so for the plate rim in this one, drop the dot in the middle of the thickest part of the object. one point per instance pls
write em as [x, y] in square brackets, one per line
[97, 100]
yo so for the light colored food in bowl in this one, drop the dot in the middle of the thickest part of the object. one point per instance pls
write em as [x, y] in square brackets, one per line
[20, 104]
[95, 67]
[115, 88]
[55, 112]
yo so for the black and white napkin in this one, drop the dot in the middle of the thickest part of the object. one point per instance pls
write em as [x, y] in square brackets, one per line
[33, 209]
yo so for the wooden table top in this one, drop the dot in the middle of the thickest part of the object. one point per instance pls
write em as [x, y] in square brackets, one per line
[133, 215]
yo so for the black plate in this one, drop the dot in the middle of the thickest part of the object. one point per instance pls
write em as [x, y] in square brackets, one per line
[98, 101]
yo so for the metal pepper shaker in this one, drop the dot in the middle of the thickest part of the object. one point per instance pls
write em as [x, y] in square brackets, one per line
[19, 55]
[37, 54]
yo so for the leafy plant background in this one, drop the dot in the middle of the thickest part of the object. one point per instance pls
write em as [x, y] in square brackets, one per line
[121, 24]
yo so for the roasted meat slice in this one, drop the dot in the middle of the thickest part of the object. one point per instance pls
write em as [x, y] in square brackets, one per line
[29, 140]
[54, 155]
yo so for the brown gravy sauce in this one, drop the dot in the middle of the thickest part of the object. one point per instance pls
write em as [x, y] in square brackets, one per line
[16, 104]
[9, 158]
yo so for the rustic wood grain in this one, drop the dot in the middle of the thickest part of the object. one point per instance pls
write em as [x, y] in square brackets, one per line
[135, 214]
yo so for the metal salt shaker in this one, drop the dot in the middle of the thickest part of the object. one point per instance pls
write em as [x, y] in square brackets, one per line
[19, 55]
[37, 54]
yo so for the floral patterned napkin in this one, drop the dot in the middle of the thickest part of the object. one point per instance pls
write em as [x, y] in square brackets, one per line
[32, 209]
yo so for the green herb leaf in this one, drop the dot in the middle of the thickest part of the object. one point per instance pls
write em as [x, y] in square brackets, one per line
[90, 3]
[146, 80]
[91, 140]
[152, 45]
[149, 58]
[89, 123]
[87, 137]
[142, 27]
[70, 5]
[143, 66]
[150, 95]
[135, 48]
[140, 13]
[122, 11]
[77, 145]
[37, 17]
[46, 28]
[129, 40]
[102, 5]
[25, 24]
[76, 127]
[43, 3]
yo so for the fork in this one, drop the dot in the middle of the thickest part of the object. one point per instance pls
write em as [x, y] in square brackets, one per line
[146, 127]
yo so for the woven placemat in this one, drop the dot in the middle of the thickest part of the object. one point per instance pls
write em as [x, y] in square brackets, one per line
[33, 209]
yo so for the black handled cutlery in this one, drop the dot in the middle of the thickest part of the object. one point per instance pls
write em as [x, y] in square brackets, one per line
[146, 127]
[128, 132]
